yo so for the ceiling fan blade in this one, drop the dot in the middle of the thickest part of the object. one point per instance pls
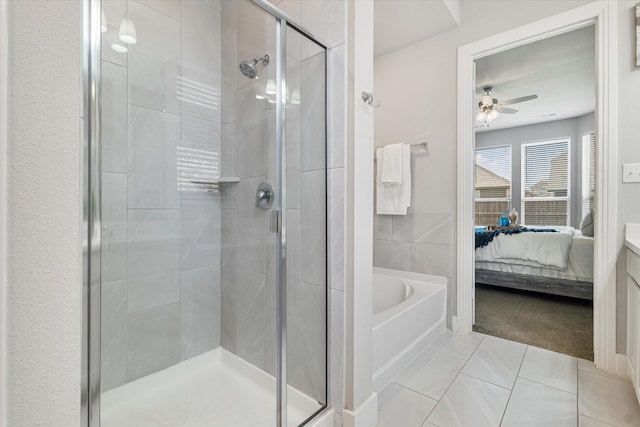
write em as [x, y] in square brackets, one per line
[517, 100]
[506, 110]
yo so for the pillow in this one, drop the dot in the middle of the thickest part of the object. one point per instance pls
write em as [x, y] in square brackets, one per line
[586, 226]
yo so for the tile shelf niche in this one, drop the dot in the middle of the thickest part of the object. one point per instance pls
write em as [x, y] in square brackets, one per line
[228, 180]
[221, 180]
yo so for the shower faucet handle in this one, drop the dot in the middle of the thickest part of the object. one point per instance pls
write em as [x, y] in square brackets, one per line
[264, 195]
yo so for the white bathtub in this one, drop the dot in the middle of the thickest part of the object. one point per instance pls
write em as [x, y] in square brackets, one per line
[409, 312]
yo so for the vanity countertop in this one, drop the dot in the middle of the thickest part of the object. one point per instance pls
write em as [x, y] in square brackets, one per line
[632, 237]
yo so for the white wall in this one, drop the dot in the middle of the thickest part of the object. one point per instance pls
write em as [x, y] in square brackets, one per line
[44, 214]
[358, 314]
[516, 136]
[417, 86]
[628, 150]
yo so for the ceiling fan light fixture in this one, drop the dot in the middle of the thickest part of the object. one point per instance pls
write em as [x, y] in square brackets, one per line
[490, 108]
[487, 115]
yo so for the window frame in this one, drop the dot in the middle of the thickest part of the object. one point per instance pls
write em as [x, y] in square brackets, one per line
[523, 168]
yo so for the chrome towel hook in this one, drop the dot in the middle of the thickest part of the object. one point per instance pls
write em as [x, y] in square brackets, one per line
[367, 97]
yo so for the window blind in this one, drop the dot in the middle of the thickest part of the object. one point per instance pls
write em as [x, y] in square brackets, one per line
[546, 183]
[492, 178]
[588, 172]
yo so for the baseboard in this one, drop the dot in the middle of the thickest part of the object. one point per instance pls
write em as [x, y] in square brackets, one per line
[365, 415]
[622, 365]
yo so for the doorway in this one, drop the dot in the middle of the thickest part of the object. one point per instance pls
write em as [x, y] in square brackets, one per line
[604, 16]
[534, 164]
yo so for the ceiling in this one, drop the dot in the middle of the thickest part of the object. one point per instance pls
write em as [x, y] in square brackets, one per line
[399, 23]
[560, 70]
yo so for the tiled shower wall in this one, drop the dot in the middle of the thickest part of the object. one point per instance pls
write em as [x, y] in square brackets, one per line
[161, 245]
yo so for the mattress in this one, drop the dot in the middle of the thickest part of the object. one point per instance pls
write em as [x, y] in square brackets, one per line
[579, 265]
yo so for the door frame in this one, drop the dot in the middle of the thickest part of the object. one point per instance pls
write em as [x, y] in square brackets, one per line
[4, 195]
[604, 15]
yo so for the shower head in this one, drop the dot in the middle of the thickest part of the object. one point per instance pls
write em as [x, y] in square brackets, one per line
[250, 68]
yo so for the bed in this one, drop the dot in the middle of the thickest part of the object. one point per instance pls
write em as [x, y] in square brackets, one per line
[558, 263]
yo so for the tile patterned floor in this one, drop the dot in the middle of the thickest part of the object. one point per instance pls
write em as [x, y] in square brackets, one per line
[478, 380]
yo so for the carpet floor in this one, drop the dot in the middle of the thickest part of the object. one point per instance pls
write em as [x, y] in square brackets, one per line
[556, 323]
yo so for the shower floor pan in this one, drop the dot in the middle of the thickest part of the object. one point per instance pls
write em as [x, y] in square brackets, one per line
[213, 389]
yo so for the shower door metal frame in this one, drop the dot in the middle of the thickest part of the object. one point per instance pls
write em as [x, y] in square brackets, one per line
[91, 212]
[91, 190]
[281, 242]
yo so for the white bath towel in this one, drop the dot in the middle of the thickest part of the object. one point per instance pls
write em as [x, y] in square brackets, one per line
[394, 199]
[393, 163]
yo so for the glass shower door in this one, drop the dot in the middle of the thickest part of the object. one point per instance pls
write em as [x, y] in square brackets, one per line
[306, 223]
[188, 323]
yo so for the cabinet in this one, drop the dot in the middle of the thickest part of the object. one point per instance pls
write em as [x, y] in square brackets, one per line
[633, 318]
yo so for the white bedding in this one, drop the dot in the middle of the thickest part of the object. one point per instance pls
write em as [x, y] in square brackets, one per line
[566, 255]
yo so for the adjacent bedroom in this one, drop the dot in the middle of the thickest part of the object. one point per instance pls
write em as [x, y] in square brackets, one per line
[534, 193]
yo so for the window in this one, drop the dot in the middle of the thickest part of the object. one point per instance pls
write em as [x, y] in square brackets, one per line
[492, 183]
[588, 172]
[546, 183]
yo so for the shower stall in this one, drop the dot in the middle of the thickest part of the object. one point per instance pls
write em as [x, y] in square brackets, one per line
[206, 205]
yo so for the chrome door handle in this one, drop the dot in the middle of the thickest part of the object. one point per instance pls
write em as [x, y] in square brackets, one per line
[274, 221]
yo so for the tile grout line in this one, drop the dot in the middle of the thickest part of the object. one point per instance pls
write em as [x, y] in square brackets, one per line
[426, 395]
[578, 391]
[547, 385]
[484, 381]
[489, 382]
[420, 394]
[471, 355]
[454, 380]
[514, 386]
[147, 5]
[441, 352]
[602, 373]
[426, 420]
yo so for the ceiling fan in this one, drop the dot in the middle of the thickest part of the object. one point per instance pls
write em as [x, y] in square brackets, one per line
[490, 108]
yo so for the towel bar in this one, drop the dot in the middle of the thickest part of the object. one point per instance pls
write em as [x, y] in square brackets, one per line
[424, 146]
